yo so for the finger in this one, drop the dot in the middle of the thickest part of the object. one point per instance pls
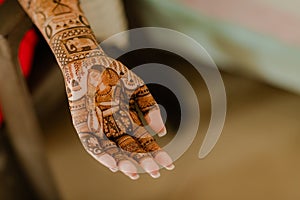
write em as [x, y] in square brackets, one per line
[162, 158]
[146, 141]
[154, 120]
[150, 110]
[129, 144]
[149, 165]
[92, 145]
[149, 145]
[135, 151]
[129, 169]
[111, 149]
[108, 162]
[121, 160]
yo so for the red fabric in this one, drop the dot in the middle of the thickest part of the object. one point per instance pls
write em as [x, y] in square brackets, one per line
[26, 52]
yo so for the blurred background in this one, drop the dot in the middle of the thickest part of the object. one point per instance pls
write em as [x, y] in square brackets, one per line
[256, 46]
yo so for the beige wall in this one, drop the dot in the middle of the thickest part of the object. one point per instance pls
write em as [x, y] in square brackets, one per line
[278, 19]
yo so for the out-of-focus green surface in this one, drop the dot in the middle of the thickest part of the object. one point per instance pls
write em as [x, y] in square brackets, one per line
[230, 44]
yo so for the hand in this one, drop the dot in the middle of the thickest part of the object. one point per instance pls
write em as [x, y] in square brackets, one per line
[107, 101]
[107, 106]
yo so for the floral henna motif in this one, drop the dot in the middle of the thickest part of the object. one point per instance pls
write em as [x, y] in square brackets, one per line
[91, 142]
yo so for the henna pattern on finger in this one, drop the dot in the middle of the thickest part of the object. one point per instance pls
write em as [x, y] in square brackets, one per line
[145, 139]
[111, 149]
[132, 148]
[144, 100]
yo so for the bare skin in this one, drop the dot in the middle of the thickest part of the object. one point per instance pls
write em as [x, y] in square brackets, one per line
[107, 101]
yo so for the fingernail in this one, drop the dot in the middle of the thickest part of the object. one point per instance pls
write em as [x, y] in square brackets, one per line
[134, 176]
[162, 132]
[170, 167]
[155, 174]
[114, 169]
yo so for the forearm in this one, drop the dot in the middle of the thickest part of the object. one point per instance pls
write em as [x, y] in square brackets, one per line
[65, 28]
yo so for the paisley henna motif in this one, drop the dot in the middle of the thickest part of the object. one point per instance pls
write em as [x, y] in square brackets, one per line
[91, 142]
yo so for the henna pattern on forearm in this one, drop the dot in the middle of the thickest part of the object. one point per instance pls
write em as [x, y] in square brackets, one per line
[104, 96]
[65, 28]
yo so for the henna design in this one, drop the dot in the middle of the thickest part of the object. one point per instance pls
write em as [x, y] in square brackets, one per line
[144, 100]
[118, 122]
[48, 31]
[111, 149]
[69, 92]
[105, 98]
[79, 44]
[74, 44]
[28, 4]
[65, 27]
[91, 143]
[83, 20]
[79, 114]
[60, 8]
[75, 85]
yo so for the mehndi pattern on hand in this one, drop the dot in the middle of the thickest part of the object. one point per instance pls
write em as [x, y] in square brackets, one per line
[107, 101]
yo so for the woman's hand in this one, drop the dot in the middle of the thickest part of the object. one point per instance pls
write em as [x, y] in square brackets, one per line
[108, 117]
[108, 102]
